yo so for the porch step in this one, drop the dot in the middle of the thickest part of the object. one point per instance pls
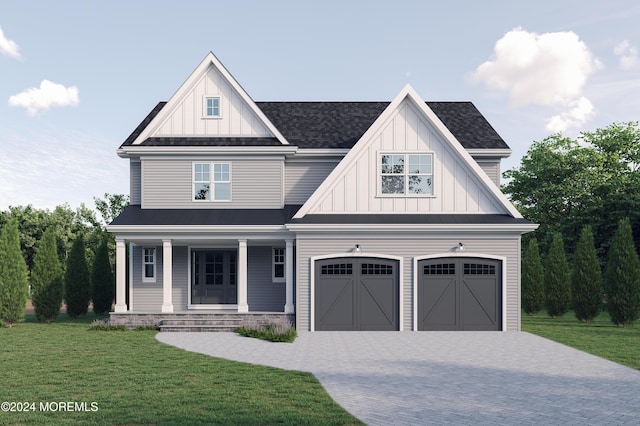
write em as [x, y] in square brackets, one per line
[198, 321]
[200, 324]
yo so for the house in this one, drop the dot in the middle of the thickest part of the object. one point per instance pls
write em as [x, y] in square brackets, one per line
[340, 215]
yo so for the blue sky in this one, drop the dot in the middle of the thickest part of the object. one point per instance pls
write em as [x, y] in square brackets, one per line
[76, 77]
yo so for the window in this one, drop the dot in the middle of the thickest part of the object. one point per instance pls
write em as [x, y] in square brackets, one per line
[403, 174]
[211, 107]
[211, 185]
[148, 264]
[337, 269]
[278, 264]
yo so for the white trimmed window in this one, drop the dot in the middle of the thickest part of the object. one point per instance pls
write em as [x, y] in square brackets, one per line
[211, 107]
[148, 264]
[278, 264]
[211, 181]
[406, 174]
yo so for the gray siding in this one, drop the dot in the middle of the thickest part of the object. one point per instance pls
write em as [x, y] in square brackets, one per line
[135, 184]
[263, 295]
[147, 297]
[167, 183]
[303, 178]
[491, 167]
[409, 248]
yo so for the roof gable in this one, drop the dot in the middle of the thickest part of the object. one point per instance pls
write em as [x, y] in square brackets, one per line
[408, 124]
[182, 115]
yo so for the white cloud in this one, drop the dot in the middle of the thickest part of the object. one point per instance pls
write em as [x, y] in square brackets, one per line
[580, 111]
[548, 69]
[46, 96]
[8, 47]
[628, 55]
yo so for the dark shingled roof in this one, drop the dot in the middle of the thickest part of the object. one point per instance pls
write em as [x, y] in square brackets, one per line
[411, 219]
[340, 125]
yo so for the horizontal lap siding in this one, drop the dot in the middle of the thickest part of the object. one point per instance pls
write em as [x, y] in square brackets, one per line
[263, 295]
[491, 168]
[135, 182]
[303, 178]
[147, 297]
[408, 249]
[167, 184]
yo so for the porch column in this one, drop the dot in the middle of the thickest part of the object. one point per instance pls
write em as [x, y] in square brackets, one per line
[121, 276]
[242, 276]
[167, 274]
[288, 264]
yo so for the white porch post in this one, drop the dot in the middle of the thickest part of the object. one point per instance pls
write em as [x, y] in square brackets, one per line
[167, 273]
[288, 306]
[242, 276]
[121, 276]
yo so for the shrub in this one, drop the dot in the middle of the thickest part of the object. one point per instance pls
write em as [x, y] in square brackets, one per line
[77, 291]
[47, 278]
[586, 280]
[13, 276]
[102, 282]
[622, 277]
[557, 288]
[532, 279]
[277, 331]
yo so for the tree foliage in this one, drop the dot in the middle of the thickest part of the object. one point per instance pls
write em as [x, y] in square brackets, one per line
[557, 288]
[532, 279]
[47, 278]
[102, 282]
[77, 280]
[13, 275]
[586, 279]
[622, 277]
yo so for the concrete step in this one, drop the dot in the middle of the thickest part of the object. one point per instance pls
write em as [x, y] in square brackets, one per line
[197, 328]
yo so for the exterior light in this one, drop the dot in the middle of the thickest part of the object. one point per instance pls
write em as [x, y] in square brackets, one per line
[358, 249]
[460, 247]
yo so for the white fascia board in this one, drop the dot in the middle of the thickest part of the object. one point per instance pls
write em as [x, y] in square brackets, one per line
[413, 228]
[326, 152]
[204, 150]
[494, 153]
[201, 229]
[200, 70]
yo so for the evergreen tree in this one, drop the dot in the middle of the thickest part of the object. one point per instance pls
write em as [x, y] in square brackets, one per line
[586, 280]
[532, 279]
[557, 288]
[77, 284]
[622, 277]
[102, 281]
[47, 278]
[13, 275]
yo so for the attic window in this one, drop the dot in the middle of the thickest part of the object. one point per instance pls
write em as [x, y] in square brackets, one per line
[211, 107]
[406, 174]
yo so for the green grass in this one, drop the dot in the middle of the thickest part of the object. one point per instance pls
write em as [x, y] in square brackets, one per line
[134, 379]
[600, 337]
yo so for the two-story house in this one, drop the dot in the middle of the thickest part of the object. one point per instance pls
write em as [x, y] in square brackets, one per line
[341, 215]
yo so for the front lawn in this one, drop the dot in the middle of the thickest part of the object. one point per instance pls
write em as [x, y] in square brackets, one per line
[134, 379]
[600, 337]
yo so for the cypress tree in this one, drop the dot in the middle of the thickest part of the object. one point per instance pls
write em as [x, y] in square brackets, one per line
[557, 288]
[102, 281]
[77, 284]
[47, 278]
[622, 277]
[586, 280]
[532, 279]
[14, 288]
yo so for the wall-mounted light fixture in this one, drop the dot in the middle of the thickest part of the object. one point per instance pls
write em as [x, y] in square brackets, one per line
[357, 249]
[460, 247]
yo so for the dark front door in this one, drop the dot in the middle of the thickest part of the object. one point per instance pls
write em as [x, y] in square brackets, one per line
[213, 277]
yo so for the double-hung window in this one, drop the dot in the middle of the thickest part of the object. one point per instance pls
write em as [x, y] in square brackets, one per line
[406, 174]
[148, 264]
[211, 181]
[278, 264]
[211, 107]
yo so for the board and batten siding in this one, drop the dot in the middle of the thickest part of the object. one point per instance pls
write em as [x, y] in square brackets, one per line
[237, 118]
[456, 188]
[135, 182]
[302, 178]
[147, 296]
[255, 184]
[263, 295]
[491, 167]
[408, 248]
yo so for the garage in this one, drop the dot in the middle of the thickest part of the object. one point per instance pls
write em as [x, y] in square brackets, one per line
[459, 294]
[356, 293]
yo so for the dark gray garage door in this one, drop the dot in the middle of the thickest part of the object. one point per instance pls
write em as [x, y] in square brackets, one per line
[459, 294]
[356, 294]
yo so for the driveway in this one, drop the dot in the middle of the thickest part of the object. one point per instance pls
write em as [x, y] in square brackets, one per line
[433, 378]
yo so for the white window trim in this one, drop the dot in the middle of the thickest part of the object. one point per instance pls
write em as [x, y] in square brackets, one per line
[274, 263]
[204, 108]
[406, 175]
[212, 183]
[146, 279]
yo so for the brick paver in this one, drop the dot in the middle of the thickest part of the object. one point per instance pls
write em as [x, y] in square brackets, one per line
[432, 378]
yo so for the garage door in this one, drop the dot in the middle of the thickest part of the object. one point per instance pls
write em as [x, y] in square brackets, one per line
[459, 294]
[356, 294]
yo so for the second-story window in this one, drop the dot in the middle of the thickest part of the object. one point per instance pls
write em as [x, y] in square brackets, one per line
[212, 181]
[406, 174]
[212, 107]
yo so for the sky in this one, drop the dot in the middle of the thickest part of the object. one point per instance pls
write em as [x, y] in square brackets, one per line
[77, 77]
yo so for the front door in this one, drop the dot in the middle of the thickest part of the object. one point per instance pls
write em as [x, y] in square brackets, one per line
[213, 277]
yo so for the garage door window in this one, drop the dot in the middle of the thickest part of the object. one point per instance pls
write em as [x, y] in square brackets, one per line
[440, 269]
[479, 269]
[337, 269]
[376, 269]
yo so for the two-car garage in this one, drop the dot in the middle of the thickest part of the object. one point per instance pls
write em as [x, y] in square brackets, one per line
[363, 293]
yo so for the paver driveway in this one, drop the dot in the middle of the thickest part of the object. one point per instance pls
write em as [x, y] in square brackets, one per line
[431, 378]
